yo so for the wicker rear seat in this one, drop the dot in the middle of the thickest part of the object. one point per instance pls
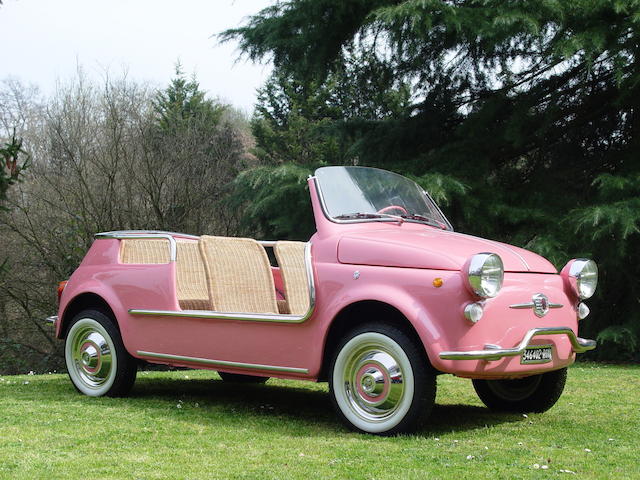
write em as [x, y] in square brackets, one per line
[239, 277]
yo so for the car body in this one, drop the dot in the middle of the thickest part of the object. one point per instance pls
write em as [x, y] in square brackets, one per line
[383, 303]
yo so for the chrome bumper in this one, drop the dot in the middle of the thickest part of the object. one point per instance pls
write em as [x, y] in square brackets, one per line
[495, 352]
[53, 319]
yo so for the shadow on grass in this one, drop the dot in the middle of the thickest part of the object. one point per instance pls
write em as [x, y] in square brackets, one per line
[274, 406]
[460, 418]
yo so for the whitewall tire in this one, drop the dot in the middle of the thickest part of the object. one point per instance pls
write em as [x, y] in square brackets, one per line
[97, 362]
[380, 381]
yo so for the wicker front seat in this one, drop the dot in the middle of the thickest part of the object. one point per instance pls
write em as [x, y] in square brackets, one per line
[238, 274]
[290, 256]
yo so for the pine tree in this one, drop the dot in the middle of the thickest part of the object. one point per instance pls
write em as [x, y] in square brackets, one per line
[527, 114]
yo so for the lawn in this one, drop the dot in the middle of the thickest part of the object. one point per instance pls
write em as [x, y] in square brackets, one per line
[191, 425]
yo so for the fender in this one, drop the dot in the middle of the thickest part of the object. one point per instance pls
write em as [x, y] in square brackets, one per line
[124, 287]
[418, 304]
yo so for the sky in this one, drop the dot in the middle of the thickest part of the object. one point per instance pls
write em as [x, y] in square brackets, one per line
[42, 41]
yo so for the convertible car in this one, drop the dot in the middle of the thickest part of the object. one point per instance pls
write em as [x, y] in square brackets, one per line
[384, 297]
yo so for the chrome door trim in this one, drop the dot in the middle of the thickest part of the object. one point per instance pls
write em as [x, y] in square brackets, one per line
[125, 235]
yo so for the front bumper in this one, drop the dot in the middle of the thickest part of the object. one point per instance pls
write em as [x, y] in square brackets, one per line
[495, 352]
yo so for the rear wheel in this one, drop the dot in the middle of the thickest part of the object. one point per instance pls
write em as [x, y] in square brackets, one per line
[239, 378]
[97, 362]
[380, 381]
[537, 393]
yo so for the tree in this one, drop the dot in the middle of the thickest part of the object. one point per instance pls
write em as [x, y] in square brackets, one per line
[103, 157]
[199, 145]
[531, 105]
[11, 168]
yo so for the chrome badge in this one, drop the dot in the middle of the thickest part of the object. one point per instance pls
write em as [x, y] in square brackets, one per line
[540, 304]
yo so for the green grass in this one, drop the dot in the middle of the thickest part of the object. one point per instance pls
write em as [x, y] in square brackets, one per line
[190, 425]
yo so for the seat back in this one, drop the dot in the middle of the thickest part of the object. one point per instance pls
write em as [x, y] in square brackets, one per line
[144, 250]
[290, 256]
[238, 275]
[191, 280]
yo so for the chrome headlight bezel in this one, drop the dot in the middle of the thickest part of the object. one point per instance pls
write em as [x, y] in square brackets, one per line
[485, 274]
[583, 277]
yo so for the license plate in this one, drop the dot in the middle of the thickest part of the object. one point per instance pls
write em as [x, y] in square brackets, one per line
[537, 354]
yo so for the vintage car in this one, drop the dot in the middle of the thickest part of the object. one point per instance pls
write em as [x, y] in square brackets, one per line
[384, 297]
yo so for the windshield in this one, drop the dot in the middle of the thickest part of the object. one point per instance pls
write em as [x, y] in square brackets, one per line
[369, 194]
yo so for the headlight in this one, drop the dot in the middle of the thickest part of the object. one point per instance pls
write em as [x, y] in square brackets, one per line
[485, 274]
[583, 277]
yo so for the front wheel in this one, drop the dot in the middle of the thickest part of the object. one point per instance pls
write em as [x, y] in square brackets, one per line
[380, 381]
[97, 362]
[537, 393]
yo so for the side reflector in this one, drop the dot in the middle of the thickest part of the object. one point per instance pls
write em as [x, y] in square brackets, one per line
[61, 286]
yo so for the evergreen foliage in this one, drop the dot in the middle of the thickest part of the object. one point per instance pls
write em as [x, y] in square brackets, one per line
[202, 146]
[182, 105]
[522, 118]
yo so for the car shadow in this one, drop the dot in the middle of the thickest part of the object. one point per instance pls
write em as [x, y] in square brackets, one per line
[307, 407]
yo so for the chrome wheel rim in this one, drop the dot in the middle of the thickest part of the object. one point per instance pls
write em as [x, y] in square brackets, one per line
[373, 382]
[89, 354]
[515, 390]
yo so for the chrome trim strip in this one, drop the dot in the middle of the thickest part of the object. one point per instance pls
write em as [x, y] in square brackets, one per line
[578, 344]
[247, 317]
[439, 210]
[524, 262]
[221, 363]
[135, 232]
[53, 319]
[124, 234]
[128, 235]
[531, 305]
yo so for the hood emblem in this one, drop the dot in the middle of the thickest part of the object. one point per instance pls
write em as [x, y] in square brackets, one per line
[540, 304]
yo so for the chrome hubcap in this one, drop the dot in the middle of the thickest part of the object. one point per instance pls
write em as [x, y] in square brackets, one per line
[91, 354]
[373, 382]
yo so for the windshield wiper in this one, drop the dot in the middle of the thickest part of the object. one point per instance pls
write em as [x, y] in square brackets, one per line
[346, 216]
[428, 221]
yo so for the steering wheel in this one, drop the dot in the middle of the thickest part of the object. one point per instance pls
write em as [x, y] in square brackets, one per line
[393, 207]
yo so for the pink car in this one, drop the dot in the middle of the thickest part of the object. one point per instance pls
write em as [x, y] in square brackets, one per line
[384, 297]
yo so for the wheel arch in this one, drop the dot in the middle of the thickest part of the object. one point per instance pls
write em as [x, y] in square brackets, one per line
[361, 312]
[80, 302]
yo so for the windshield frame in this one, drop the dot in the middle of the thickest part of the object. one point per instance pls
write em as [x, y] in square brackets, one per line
[392, 219]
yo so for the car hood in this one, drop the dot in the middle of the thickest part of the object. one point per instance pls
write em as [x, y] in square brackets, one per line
[431, 248]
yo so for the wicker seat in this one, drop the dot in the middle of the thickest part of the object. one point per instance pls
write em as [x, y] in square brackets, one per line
[144, 250]
[290, 256]
[238, 274]
[191, 280]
